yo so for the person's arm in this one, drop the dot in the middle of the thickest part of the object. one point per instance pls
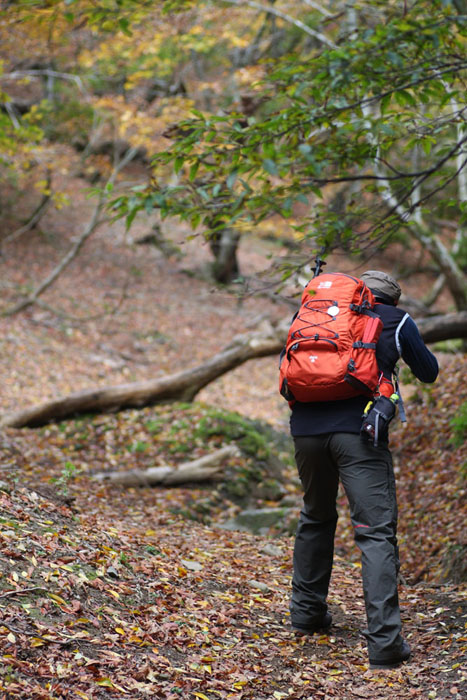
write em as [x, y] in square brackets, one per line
[415, 353]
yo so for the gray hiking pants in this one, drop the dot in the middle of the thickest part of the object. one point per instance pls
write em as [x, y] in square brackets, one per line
[367, 476]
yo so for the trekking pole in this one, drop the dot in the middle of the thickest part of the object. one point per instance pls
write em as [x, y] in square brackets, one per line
[319, 262]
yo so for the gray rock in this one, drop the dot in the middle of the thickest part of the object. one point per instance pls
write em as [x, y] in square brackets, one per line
[272, 550]
[191, 565]
[259, 520]
[259, 585]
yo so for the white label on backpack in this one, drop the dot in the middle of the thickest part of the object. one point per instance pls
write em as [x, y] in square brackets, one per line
[312, 358]
[325, 285]
[333, 310]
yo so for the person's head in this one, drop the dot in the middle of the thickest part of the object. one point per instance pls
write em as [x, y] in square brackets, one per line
[384, 287]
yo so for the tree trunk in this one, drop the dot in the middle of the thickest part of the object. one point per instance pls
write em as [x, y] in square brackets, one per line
[224, 246]
[455, 278]
[267, 340]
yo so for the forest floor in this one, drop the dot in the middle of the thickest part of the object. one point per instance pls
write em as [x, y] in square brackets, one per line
[107, 592]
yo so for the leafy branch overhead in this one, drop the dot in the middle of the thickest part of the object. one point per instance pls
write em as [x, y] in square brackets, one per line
[340, 123]
[382, 109]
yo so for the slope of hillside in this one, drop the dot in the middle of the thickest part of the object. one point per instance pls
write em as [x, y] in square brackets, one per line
[114, 595]
[106, 591]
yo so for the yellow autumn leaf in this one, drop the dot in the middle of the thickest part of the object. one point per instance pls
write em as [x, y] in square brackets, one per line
[201, 695]
[81, 695]
[57, 599]
[36, 642]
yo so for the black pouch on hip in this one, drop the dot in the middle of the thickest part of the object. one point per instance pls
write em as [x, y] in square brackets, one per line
[377, 416]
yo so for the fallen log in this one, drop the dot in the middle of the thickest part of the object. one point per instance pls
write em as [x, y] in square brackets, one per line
[205, 468]
[181, 386]
[266, 340]
[445, 327]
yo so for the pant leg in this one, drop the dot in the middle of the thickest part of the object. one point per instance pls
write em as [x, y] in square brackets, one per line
[367, 475]
[314, 541]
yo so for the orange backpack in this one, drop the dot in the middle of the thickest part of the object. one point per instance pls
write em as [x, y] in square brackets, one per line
[330, 349]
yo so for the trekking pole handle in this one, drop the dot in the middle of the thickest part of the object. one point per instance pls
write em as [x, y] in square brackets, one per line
[319, 263]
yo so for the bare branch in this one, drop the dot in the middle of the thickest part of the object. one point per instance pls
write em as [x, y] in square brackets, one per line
[288, 18]
[74, 250]
[91, 317]
[319, 8]
[34, 218]
[462, 189]
[45, 73]
[412, 218]
[11, 113]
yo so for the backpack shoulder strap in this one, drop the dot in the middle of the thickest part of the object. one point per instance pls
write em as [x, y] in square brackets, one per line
[397, 334]
[402, 413]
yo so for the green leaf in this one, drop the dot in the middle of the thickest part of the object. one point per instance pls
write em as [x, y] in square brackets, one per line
[193, 170]
[178, 164]
[232, 179]
[385, 102]
[124, 26]
[404, 97]
[203, 194]
[269, 150]
[270, 166]
[130, 218]
[426, 144]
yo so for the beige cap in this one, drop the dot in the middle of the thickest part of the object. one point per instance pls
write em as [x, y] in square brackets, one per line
[382, 283]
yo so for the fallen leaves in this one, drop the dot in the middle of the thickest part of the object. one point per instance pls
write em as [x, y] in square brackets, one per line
[213, 632]
[107, 593]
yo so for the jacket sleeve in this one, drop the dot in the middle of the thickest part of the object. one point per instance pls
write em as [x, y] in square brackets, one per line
[415, 353]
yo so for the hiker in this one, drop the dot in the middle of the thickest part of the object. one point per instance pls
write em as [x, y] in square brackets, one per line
[329, 446]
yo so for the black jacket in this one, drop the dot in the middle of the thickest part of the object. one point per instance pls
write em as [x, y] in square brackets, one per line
[399, 338]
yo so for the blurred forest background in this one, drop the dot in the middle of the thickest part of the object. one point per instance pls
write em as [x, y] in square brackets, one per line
[170, 171]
